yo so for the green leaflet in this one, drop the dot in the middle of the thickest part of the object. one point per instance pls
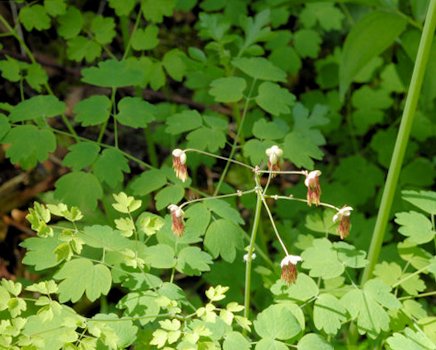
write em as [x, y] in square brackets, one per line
[81, 276]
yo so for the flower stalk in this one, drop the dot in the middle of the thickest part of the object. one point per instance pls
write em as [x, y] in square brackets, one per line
[402, 140]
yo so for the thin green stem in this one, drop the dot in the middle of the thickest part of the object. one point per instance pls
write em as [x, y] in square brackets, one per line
[417, 272]
[402, 140]
[247, 291]
[135, 27]
[114, 112]
[151, 147]
[292, 198]
[236, 140]
[236, 194]
[265, 204]
[422, 295]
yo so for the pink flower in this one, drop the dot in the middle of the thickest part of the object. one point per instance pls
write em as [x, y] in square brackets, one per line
[343, 215]
[179, 164]
[177, 226]
[289, 268]
[313, 187]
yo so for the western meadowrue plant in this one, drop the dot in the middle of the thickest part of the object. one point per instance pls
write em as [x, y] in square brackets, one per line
[236, 246]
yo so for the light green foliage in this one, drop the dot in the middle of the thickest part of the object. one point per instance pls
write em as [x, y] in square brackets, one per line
[135, 112]
[307, 43]
[193, 261]
[174, 64]
[259, 68]
[148, 181]
[183, 121]
[228, 89]
[168, 195]
[125, 204]
[93, 110]
[81, 155]
[10, 69]
[416, 227]
[145, 39]
[223, 238]
[328, 314]
[122, 8]
[110, 167]
[155, 12]
[368, 307]
[301, 145]
[81, 48]
[95, 282]
[34, 17]
[410, 340]
[324, 14]
[90, 189]
[322, 260]
[37, 107]
[274, 99]
[425, 200]
[113, 73]
[55, 7]
[29, 145]
[103, 29]
[114, 88]
[277, 322]
[71, 23]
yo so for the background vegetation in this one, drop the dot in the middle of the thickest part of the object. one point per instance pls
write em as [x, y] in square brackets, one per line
[95, 96]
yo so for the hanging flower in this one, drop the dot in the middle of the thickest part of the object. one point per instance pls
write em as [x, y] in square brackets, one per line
[343, 216]
[313, 187]
[179, 164]
[289, 268]
[178, 226]
[274, 153]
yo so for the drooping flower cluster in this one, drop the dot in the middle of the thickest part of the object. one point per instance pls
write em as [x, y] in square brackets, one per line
[313, 187]
[343, 216]
[179, 164]
[289, 268]
[274, 153]
[177, 226]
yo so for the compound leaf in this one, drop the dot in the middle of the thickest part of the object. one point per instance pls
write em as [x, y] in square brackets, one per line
[81, 276]
[192, 261]
[328, 314]
[322, 260]
[416, 226]
[368, 306]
